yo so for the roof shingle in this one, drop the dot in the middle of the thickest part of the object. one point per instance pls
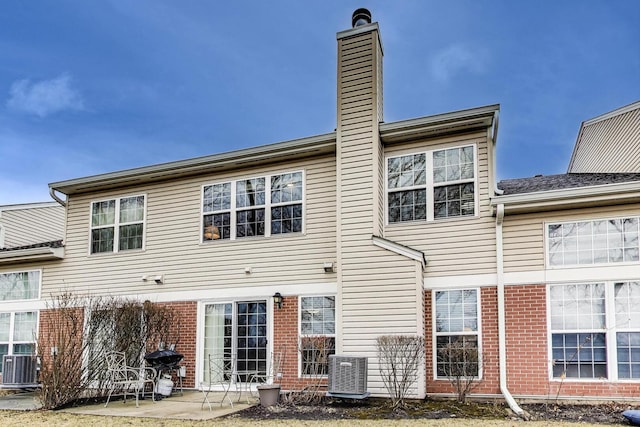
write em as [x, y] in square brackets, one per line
[562, 181]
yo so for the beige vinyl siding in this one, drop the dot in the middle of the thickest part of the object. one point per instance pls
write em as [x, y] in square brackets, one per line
[173, 234]
[524, 234]
[32, 225]
[382, 297]
[609, 145]
[455, 246]
[378, 289]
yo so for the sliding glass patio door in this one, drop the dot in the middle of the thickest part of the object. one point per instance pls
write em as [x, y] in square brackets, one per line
[236, 332]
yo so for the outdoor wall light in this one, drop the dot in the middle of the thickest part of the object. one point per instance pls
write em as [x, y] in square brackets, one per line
[328, 267]
[277, 300]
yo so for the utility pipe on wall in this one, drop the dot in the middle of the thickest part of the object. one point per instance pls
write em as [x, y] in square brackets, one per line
[502, 334]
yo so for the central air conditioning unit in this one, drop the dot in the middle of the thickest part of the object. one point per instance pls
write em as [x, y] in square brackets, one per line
[348, 377]
[19, 370]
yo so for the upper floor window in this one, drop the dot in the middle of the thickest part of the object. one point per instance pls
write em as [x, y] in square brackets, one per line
[260, 206]
[593, 242]
[117, 224]
[19, 286]
[431, 185]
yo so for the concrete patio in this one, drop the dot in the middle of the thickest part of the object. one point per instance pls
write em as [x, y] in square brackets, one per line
[187, 406]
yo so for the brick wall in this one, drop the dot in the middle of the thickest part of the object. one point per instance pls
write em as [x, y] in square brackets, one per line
[63, 332]
[527, 351]
[285, 336]
[526, 338]
[187, 320]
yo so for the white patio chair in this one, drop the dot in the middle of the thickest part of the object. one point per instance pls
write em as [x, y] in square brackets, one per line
[127, 379]
[220, 379]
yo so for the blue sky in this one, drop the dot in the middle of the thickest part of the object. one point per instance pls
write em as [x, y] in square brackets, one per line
[88, 87]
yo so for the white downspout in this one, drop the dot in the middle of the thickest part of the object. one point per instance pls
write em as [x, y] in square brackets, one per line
[493, 137]
[502, 335]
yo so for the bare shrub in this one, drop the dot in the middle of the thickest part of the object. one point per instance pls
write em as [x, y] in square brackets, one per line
[78, 331]
[314, 353]
[400, 358]
[61, 349]
[459, 361]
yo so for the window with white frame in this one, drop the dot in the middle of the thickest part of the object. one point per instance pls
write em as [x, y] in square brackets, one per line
[317, 334]
[22, 285]
[18, 329]
[595, 330]
[602, 241]
[260, 206]
[18, 333]
[117, 224]
[456, 333]
[431, 185]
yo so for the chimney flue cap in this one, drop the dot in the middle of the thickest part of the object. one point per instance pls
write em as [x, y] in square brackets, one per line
[360, 17]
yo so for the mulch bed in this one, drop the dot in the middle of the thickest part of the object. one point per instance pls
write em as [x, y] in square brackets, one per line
[374, 408]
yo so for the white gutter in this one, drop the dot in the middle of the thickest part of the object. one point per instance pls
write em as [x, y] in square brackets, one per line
[502, 335]
[54, 196]
[555, 198]
[31, 254]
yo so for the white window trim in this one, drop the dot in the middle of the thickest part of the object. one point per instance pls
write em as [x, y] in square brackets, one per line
[610, 331]
[39, 291]
[300, 335]
[430, 185]
[116, 225]
[200, 329]
[12, 317]
[233, 210]
[547, 263]
[435, 334]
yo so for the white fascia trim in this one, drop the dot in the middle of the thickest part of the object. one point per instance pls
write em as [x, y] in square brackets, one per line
[406, 251]
[226, 294]
[279, 151]
[440, 123]
[31, 254]
[464, 281]
[610, 114]
[567, 196]
[22, 305]
[570, 275]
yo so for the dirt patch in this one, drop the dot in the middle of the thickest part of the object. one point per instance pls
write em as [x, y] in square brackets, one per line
[373, 408]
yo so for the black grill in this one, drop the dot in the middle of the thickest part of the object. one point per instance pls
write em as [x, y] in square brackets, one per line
[163, 360]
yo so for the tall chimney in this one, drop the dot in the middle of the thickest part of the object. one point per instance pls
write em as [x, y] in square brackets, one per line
[359, 157]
